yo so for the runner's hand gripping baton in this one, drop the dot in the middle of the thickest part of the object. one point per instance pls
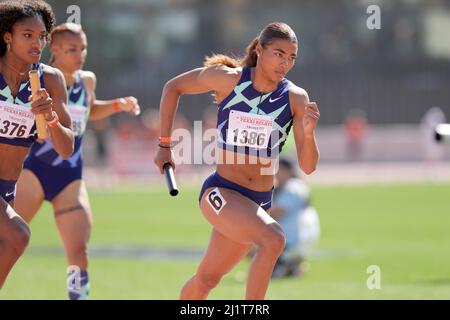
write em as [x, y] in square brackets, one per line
[170, 179]
[41, 124]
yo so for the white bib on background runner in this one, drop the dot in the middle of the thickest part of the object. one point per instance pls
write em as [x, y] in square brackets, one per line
[79, 118]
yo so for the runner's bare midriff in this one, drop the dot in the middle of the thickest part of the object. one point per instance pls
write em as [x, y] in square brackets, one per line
[248, 171]
[11, 161]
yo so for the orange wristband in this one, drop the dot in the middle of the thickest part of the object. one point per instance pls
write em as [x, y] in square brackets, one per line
[54, 122]
[116, 105]
[165, 139]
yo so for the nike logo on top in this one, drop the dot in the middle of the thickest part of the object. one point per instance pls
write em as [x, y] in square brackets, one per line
[9, 194]
[273, 100]
[76, 90]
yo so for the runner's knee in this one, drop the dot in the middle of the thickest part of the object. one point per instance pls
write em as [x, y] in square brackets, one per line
[208, 281]
[273, 239]
[19, 235]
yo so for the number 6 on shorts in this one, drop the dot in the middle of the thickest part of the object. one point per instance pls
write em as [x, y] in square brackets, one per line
[216, 200]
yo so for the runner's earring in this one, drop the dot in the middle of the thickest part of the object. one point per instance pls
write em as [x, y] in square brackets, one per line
[8, 46]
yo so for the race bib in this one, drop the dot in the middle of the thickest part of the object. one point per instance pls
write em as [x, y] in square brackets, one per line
[79, 118]
[249, 130]
[16, 121]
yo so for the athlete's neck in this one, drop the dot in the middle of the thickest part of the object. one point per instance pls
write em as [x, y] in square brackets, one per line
[69, 75]
[260, 82]
[14, 68]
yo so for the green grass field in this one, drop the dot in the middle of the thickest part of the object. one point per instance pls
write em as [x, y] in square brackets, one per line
[402, 229]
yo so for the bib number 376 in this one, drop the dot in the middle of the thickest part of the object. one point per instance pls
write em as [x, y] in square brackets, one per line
[16, 121]
[12, 129]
